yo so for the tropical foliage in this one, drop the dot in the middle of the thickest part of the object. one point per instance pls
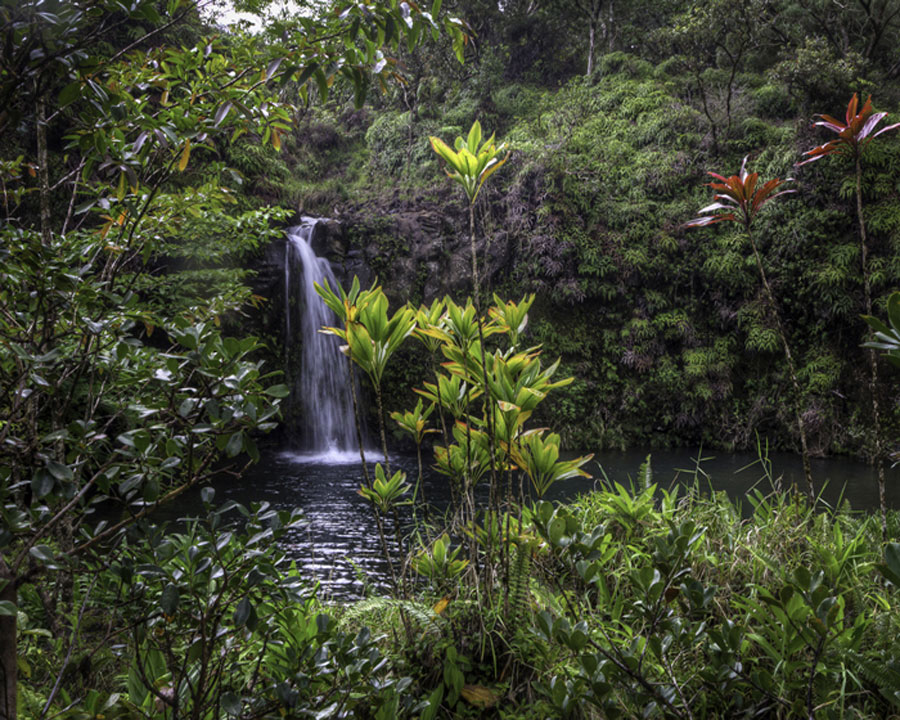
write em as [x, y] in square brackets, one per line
[106, 397]
[742, 200]
[148, 156]
[853, 135]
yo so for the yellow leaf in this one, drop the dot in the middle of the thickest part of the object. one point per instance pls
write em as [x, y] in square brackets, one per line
[276, 139]
[442, 149]
[185, 156]
[441, 605]
[479, 696]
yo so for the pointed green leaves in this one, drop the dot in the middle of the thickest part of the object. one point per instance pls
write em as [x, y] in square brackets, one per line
[371, 335]
[537, 454]
[415, 421]
[887, 337]
[472, 162]
[474, 139]
[385, 493]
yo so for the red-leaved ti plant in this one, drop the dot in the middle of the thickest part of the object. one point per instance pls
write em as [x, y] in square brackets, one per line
[739, 198]
[854, 135]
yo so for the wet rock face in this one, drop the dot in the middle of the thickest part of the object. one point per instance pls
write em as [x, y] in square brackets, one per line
[417, 248]
[269, 284]
[329, 241]
[416, 254]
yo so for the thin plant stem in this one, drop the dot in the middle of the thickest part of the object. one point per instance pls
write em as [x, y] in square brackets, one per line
[493, 511]
[420, 483]
[770, 299]
[359, 438]
[379, 522]
[384, 450]
[878, 458]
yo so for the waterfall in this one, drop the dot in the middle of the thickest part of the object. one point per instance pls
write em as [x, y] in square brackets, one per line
[322, 390]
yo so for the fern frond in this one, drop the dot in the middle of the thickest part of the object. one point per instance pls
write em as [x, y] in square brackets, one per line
[382, 613]
[883, 675]
[519, 583]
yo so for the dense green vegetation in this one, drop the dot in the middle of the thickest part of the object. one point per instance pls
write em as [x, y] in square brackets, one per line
[146, 159]
[667, 332]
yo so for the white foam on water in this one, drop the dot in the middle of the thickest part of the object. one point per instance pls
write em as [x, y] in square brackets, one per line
[329, 456]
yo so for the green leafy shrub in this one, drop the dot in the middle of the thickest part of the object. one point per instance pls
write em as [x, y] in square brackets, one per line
[733, 617]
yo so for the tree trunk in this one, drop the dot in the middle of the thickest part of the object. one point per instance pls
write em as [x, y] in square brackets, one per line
[410, 137]
[590, 58]
[8, 659]
[610, 28]
[43, 168]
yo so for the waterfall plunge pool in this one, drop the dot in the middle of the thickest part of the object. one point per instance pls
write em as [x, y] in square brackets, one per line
[338, 545]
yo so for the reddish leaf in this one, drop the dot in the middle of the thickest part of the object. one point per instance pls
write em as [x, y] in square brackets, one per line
[709, 220]
[853, 134]
[739, 196]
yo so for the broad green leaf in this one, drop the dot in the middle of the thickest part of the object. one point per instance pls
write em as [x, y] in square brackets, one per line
[42, 484]
[235, 444]
[42, 553]
[278, 391]
[231, 703]
[61, 472]
[222, 113]
[169, 599]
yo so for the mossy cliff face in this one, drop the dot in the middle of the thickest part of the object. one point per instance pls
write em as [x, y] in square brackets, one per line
[665, 330]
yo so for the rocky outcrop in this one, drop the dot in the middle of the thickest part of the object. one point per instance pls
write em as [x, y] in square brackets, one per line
[413, 247]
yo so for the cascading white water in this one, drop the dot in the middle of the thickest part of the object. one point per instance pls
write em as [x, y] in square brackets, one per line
[324, 390]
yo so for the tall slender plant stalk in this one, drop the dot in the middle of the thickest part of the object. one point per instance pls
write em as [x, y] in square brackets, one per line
[493, 512]
[738, 199]
[381, 429]
[359, 435]
[379, 522]
[870, 353]
[854, 133]
[43, 167]
[792, 369]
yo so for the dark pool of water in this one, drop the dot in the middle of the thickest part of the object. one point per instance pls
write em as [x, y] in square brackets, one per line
[339, 544]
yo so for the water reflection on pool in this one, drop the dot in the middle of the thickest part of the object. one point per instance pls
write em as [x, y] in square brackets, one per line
[339, 544]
